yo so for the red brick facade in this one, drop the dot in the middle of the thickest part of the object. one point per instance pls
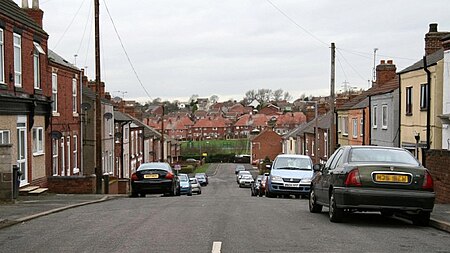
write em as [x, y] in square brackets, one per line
[268, 143]
[438, 163]
[72, 185]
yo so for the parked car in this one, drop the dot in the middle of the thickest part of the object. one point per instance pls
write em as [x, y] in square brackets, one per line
[246, 180]
[239, 168]
[185, 184]
[262, 185]
[201, 179]
[204, 175]
[256, 185]
[373, 178]
[154, 178]
[290, 175]
[240, 174]
[195, 185]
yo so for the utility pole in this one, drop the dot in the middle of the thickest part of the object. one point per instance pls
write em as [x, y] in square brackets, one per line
[316, 130]
[162, 134]
[332, 142]
[98, 109]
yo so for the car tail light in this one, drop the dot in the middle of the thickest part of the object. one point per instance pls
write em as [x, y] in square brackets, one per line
[353, 178]
[134, 177]
[169, 175]
[427, 181]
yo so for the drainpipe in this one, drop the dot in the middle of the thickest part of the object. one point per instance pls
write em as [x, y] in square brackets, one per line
[81, 164]
[363, 130]
[398, 142]
[425, 68]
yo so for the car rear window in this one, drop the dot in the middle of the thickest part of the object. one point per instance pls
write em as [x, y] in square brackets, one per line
[381, 155]
[184, 178]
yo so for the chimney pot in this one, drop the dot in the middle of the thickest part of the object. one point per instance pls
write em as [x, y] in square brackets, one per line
[433, 27]
[382, 62]
[389, 62]
[35, 4]
[25, 4]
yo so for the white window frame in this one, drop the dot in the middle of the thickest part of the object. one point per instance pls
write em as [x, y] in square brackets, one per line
[345, 126]
[74, 96]
[362, 126]
[339, 125]
[2, 57]
[55, 159]
[38, 140]
[36, 69]
[374, 117]
[306, 147]
[355, 128]
[55, 93]
[5, 137]
[325, 140]
[17, 57]
[68, 156]
[75, 154]
[384, 117]
[63, 156]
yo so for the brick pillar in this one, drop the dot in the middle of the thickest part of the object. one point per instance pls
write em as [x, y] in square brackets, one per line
[6, 180]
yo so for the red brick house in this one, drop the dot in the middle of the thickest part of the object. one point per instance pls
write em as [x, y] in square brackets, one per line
[248, 123]
[25, 91]
[270, 110]
[211, 128]
[266, 144]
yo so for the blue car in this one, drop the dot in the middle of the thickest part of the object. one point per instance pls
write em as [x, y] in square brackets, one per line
[185, 184]
[290, 175]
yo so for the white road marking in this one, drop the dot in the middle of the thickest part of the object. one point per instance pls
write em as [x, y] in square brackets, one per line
[217, 247]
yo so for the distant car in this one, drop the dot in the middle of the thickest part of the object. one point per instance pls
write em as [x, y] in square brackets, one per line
[195, 185]
[240, 174]
[201, 179]
[185, 184]
[373, 178]
[290, 175]
[154, 178]
[239, 168]
[191, 160]
[246, 180]
[256, 185]
[262, 185]
[203, 174]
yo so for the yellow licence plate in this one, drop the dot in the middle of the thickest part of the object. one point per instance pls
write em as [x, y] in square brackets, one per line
[391, 178]
[151, 176]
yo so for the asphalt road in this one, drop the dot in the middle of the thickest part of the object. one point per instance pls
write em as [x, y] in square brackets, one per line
[224, 216]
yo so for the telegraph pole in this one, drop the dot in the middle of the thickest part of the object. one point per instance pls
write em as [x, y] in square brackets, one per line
[162, 134]
[98, 109]
[332, 143]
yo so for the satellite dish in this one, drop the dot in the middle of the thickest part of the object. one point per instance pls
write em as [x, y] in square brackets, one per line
[85, 106]
[108, 115]
[56, 135]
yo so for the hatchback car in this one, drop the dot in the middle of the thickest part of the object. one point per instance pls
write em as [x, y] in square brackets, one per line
[373, 178]
[239, 168]
[185, 184]
[154, 178]
[246, 181]
[240, 174]
[204, 175]
[195, 186]
[290, 175]
[201, 179]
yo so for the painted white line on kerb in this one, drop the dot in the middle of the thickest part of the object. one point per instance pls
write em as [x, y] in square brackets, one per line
[217, 247]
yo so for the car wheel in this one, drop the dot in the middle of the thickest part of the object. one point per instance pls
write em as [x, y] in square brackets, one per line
[240, 186]
[421, 219]
[313, 206]
[134, 194]
[336, 214]
[199, 192]
[189, 193]
[142, 195]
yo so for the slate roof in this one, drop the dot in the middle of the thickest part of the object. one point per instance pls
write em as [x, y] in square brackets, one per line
[119, 116]
[432, 59]
[148, 131]
[54, 57]
[10, 9]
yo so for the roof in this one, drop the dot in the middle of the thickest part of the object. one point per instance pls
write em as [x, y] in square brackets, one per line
[54, 57]
[324, 122]
[432, 59]
[389, 86]
[91, 94]
[10, 9]
[119, 116]
[252, 120]
[148, 131]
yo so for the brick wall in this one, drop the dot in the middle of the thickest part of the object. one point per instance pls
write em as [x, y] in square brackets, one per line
[437, 163]
[6, 193]
[72, 185]
[267, 144]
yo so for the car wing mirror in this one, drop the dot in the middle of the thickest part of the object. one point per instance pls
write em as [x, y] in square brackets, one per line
[317, 167]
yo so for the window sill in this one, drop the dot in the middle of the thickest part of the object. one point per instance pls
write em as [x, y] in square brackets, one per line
[38, 91]
[55, 114]
[344, 134]
[384, 128]
[76, 170]
[75, 114]
[375, 127]
[35, 154]
[408, 114]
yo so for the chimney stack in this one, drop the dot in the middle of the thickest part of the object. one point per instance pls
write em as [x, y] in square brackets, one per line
[385, 72]
[34, 12]
[433, 39]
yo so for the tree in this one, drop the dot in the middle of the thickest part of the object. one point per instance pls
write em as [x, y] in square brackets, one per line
[277, 95]
[263, 96]
[214, 99]
[287, 96]
[250, 96]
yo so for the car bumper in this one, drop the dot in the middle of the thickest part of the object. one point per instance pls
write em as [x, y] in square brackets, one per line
[196, 189]
[378, 199]
[185, 190]
[246, 184]
[149, 187]
[279, 188]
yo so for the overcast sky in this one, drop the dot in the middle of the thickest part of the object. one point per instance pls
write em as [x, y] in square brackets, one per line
[227, 47]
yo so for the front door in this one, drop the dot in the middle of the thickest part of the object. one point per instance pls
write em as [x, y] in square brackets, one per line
[22, 149]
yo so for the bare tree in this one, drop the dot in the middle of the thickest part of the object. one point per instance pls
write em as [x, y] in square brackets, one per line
[263, 96]
[214, 99]
[277, 95]
[287, 96]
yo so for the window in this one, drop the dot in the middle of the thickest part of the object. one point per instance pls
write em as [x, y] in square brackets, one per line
[423, 96]
[384, 117]
[325, 140]
[339, 125]
[408, 106]
[17, 41]
[127, 133]
[74, 96]
[55, 157]
[4, 136]
[355, 128]
[362, 126]
[313, 147]
[75, 154]
[2, 58]
[38, 140]
[374, 117]
[36, 68]
[68, 155]
[55, 92]
[345, 126]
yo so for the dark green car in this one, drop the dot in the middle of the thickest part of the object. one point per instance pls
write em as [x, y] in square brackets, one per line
[372, 178]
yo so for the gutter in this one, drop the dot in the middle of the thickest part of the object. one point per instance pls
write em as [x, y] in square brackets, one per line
[425, 68]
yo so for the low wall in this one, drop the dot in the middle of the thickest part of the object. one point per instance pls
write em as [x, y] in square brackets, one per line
[72, 184]
[438, 162]
[6, 175]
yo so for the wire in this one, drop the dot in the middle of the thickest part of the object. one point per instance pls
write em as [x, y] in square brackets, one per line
[339, 51]
[340, 64]
[70, 24]
[296, 24]
[125, 51]
[85, 27]
[363, 54]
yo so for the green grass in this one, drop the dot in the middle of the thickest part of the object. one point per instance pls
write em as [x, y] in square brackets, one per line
[202, 169]
[212, 147]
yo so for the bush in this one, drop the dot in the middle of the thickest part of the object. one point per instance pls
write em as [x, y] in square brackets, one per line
[219, 158]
